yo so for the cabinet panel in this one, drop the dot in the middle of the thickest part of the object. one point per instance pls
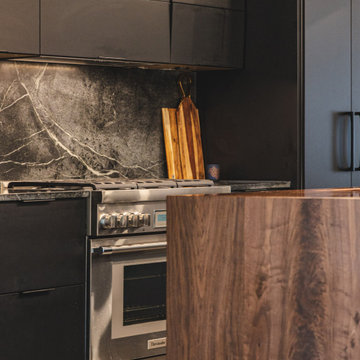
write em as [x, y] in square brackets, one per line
[43, 326]
[42, 244]
[19, 26]
[327, 92]
[127, 29]
[207, 36]
[227, 4]
[356, 83]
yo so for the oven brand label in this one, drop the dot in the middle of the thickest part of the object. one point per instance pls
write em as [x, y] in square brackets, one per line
[156, 343]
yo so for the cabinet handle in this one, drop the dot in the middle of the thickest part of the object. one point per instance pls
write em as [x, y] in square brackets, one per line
[25, 201]
[105, 250]
[352, 115]
[352, 166]
[352, 153]
[37, 292]
[112, 58]
[355, 168]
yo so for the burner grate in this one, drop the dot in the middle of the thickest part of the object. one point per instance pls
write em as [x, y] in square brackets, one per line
[114, 185]
[194, 183]
[101, 184]
[155, 184]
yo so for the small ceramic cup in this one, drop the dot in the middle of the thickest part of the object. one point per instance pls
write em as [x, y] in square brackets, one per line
[213, 171]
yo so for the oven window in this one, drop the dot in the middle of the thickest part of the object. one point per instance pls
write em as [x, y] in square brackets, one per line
[144, 293]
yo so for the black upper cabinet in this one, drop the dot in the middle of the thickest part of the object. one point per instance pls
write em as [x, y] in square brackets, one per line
[226, 4]
[204, 32]
[207, 36]
[137, 30]
[19, 27]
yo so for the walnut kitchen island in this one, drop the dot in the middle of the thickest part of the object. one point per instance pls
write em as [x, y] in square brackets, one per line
[272, 275]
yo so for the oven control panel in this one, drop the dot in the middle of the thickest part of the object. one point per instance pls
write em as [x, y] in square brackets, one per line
[113, 219]
[125, 220]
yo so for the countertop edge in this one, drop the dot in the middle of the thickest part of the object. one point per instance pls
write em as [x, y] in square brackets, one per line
[44, 196]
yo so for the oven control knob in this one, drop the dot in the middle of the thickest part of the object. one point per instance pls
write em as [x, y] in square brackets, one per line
[133, 220]
[108, 221]
[144, 219]
[122, 221]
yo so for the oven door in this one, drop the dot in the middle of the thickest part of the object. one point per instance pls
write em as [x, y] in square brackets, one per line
[128, 297]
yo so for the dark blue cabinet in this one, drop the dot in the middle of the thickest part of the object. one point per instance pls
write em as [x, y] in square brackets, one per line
[355, 86]
[327, 94]
[332, 94]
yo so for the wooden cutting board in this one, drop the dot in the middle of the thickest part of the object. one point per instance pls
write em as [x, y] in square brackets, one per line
[182, 137]
[191, 154]
[171, 140]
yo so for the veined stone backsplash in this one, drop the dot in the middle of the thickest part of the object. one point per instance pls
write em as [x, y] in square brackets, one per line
[59, 121]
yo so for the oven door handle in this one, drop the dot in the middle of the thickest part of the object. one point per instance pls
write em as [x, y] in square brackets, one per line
[105, 250]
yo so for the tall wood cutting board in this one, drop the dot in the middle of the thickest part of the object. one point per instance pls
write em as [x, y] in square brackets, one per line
[183, 144]
[171, 139]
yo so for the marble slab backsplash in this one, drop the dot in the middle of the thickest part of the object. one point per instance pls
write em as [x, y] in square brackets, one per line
[63, 122]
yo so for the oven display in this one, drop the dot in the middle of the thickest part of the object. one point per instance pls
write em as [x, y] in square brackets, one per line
[144, 293]
[160, 219]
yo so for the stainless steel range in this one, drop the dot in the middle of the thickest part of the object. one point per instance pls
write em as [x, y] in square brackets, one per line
[128, 265]
[127, 273]
[136, 207]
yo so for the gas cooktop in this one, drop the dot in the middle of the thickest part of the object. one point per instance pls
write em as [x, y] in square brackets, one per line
[97, 184]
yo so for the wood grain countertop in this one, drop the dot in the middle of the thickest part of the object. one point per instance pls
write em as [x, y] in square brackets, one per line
[307, 193]
[310, 193]
[264, 276]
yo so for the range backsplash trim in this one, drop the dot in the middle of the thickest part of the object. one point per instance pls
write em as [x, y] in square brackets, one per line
[60, 121]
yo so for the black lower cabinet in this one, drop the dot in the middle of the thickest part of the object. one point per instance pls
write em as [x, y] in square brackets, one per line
[42, 244]
[43, 325]
[42, 280]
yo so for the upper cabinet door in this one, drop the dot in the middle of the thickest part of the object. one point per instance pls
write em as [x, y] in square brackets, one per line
[226, 4]
[136, 30]
[207, 36]
[327, 79]
[19, 26]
